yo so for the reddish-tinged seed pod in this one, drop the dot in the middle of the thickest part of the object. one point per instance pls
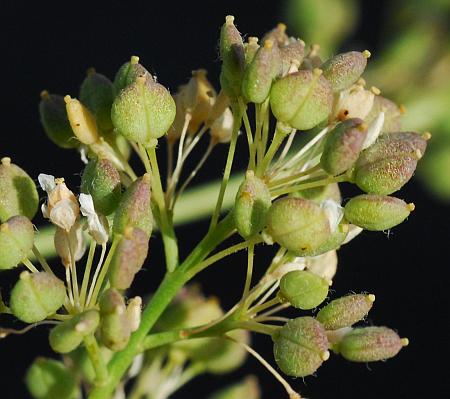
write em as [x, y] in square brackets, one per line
[277, 35]
[300, 347]
[343, 146]
[129, 72]
[345, 311]
[251, 47]
[376, 212]
[292, 52]
[302, 99]
[370, 344]
[345, 69]
[128, 258]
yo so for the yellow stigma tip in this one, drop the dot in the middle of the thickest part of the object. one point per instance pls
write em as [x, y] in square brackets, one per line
[67, 99]
[418, 154]
[402, 109]
[325, 355]
[59, 180]
[281, 27]
[128, 232]
[4, 227]
[252, 40]
[229, 19]
[426, 136]
[134, 60]
[362, 127]
[146, 177]
[366, 54]
[268, 44]
[44, 94]
[411, 206]
[361, 82]
[6, 161]
[375, 90]
[24, 275]
[90, 71]
[371, 297]
[404, 341]
[317, 72]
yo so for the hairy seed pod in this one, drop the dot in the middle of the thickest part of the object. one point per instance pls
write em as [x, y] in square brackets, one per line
[322, 193]
[377, 212]
[387, 165]
[370, 344]
[299, 225]
[301, 99]
[392, 114]
[260, 73]
[129, 72]
[114, 326]
[345, 311]
[16, 241]
[97, 94]
[134, 208]
[251, 47]
[36, 296]
[303, 290]
[300, 347]
[128, 258]
[18, 194]
[251, 206]
[50, 379]
[343, 146]
[334, 241]
[143, 111]
[277, 35]
[68, 335]
[293, 52]
[52, 110]
[345, 69]
[101, 180]
[232, 54]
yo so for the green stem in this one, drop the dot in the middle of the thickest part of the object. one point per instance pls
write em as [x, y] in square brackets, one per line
[167, 290]
[276, 142]
[291, 178]
[42, 261]
[30, 266]
[248, 130]
[87, 273]
[307, 185]
[96, 359]
[167, 231]
[248, 278]
[264, 306]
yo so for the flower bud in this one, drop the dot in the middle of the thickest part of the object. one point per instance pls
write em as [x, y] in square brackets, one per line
[342, 146]
[129, 72]
[345, 69]
[248, 389]
[16, 241]
[143, 111]
[36, 296]
[293, 52]
[303, 290]
[387, 165]
[114, 327]
[233, 58]
[355, 102]
[50, 379]
[82, 121]
[97, 94]
[68, 335]
[52, 110]
[300, 347]
[102, 180]
[260, 73]
[17, 192]
[345, 311]
[377, 212]
[222, 128]
[251, 206]
[297, 224]
[370, 344]
[128, 258]
[134, 207]
[302, 99]
[392, 114]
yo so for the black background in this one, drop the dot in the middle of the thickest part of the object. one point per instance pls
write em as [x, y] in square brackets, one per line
[50, 45]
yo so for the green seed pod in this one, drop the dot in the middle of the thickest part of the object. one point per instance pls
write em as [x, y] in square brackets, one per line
[392, 114]
[82, 364]
[303, 290]
[97, 93]
[102, 181]
[277, 35]
[251, 206]
[260, 73]
[302, 99]
[143, 111]
[322, 193]
[50, 379]
[300, 347]
[114, 327]
[128, 258]
[68, 335]
[334, 241]
[370, 344]
[251, 47]
[52, 110]
[36, 296]
[376, 212]
[134, 208]
[343, 146]
[345, 311]
[233, 58]
[129, 72]
[389, 163]
[18, 194]
[16, 241]
[293, 52]
[248, 389]
[345, 69]
[299, 225]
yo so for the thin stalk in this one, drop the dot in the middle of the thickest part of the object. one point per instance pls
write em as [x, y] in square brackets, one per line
[307, 185]
[286, 149]
[292, 178]
[265, 115]
[258, 308]
[274, 145]
[30, 265]
[248, 278]
[267, 295]
[94, 278]
[69, 287]
[144, 157]
[271, 318]
[276, 309]
[42, 260]
[87, 273]
[96, 358]
[73, 269]
[248, 130]
[169, 163]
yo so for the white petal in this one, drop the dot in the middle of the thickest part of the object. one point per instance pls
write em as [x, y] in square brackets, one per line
[83, 155]
[353, 231]
[324, 265]
[334, 212]
[64, 214]
[374, 130]
[87, 204]
[44, 210]
[97, 224]
[47, 182]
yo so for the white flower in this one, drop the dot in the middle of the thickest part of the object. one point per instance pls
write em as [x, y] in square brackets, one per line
[324, 265]
[76, 241]
[356, 102]
[334, 213]
[222, 127]
[97, 223]
[61, 207]
[353, 231]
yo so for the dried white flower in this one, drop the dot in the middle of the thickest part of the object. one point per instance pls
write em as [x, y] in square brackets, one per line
[97, 223]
